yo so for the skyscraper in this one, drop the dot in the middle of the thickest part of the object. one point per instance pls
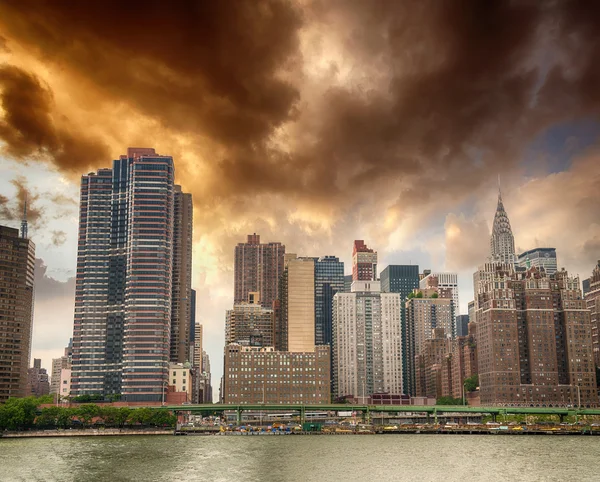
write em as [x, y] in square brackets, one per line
[401, 279]
[462, 325]
[123, 295]
[329, 280]
[257, 268]
[540, 258]
[198, 334]
[367, 347]
[444, 281]
[250, 323]
[534, 339]
[295, 326]
[181, 310]
[426, 310]
[17, 261]
[592, 301]
[364, 262]
[502, 242]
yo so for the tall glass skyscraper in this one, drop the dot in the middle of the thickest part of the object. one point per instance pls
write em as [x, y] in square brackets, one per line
[124, 283]
[401, 279]
[329, 280]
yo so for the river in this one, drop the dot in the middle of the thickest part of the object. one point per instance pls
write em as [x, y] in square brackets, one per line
[301, 458]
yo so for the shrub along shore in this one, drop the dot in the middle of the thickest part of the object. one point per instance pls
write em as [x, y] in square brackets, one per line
[20, 414]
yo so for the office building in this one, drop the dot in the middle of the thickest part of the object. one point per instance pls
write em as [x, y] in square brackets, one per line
[445, 281]
[123, 294]
[426, 310]
[295, 326]
[58, 366]
[592, 302]
[364, 262]
[17, 261]
[257, 268]
[401, 279]
[347, 283]
[462, 325]
[471, 311]
[329, 280]
[539, 258]
[586, 286]
[38, 379]
[192, 326]
[250, 324]
[207, 377]
[502, 242]
[198, 334]
[367, 345]
[255, 375]
[181, 298]
[534, 339]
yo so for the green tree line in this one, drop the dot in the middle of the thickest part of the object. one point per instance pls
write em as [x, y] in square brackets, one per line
[24, 414]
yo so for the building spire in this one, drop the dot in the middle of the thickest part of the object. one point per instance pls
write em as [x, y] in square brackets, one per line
[502, 242]
[24, 220]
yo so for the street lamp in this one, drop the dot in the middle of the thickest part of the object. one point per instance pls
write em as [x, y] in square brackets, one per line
[163, 392]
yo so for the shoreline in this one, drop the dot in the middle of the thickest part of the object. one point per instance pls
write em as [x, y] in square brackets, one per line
[83, 433]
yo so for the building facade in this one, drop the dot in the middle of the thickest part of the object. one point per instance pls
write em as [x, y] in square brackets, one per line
[592, 302]
[367, 346]
[444, 281]
[250, 324]
[17, 261]
[426, 310]
[329, 280]
[402, 279]
[181, 298]
[123, 294]
[39, 381]
[502, 242]
[539, 258]
[295, 326]
[255, 375]
[462, 325]
[364, 262]
[257, 268]
[534, 340]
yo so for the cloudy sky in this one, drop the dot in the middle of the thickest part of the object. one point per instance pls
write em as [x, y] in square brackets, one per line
[313, 123]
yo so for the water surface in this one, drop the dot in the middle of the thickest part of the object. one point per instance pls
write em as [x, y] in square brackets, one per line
[301, 458]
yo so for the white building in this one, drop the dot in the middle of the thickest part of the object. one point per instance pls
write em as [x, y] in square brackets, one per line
[367, 344]
[181, 378]
[65, 383]
[445, 281]
[540, 258]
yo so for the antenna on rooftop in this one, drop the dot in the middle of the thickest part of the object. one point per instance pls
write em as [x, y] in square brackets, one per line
[24, 221]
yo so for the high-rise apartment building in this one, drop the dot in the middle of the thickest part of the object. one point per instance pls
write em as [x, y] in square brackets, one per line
[539, 258]
[198, 334]
[592, 301]
[255, 375]
[367, 345]
[257, 268]
[38, 379]
[181, 298]
[17, 261]
[58, 366]
[462, 325]
[364, 262]
[250, 324]
[192, 326]
[502, 242]
[402, 279]
[295, 326]
[124, 288]
[444, 281]
[534, 339]
[431, 366]
[329, 280]
[426, 310]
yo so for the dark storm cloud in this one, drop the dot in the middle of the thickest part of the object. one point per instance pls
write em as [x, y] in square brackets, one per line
[12, 209]
[462, 89]
[28, 129]
[196, 65]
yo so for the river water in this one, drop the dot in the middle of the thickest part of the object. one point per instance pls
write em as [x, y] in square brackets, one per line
[301, 458]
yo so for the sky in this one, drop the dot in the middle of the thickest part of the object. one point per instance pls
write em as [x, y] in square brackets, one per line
[309, 122]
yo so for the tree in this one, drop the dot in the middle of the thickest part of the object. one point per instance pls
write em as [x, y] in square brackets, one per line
[419, 294]
[86, 413]
[472, 383]
[448, 401]
[434, 295]
[18, 413]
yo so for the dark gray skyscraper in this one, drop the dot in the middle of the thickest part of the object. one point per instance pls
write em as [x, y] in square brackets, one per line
[123, 294]
[17, 260]
[401, 279]
[462, 325]
[329, 280]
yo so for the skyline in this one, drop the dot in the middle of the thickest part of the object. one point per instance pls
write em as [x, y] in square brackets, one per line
[335, 122]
